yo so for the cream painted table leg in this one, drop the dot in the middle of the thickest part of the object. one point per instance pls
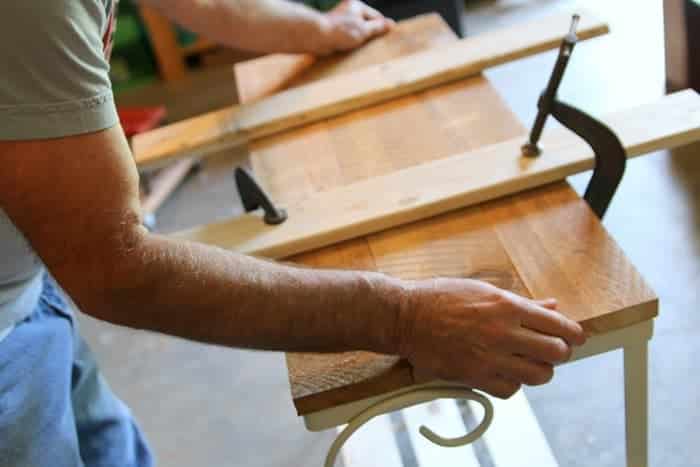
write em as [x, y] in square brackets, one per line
[634, 342]
[636, 403]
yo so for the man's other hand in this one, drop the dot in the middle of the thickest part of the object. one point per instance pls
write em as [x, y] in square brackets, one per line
[349, 25]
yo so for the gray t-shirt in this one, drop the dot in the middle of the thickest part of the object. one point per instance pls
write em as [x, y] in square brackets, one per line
[55, 83]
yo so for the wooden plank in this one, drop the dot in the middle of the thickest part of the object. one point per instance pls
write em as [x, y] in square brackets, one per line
[591, 277]
[280, 68]
[270, 74]
[458, 244]
[343, 93]
[404, 132]
[429, 189]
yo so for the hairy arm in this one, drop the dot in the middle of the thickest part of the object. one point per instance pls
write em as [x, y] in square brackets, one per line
[277, 25]
[76, 200]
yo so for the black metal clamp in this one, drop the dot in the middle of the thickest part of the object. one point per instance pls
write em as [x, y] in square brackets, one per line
[253, 197]
[610, 155]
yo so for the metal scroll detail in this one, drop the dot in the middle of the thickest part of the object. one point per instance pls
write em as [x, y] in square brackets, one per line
[411, 397]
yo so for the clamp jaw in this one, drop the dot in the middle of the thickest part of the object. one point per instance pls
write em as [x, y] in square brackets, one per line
[610, 155]
[253, 197]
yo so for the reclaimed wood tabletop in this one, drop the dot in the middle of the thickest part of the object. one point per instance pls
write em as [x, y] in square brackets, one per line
[544, 242]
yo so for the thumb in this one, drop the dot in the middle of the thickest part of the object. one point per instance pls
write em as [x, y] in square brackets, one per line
[375, 27]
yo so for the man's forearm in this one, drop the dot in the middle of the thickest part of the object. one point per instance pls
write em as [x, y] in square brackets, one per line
[211, 295]
[254, 25]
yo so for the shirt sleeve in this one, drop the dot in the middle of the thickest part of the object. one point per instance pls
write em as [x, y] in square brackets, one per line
[55, 79]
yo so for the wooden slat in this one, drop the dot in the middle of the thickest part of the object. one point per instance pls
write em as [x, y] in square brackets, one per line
[590, 276]
[415, 129]
[426, 190]
[279, 68]
[407, 131]
[347, 92]
[458, 244]
[409, 36]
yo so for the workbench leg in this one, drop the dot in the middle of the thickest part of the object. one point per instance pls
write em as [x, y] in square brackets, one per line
[636, 403]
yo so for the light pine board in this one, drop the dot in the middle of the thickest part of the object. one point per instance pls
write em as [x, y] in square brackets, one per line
[351, 91]
[436, 187]
[416, 129]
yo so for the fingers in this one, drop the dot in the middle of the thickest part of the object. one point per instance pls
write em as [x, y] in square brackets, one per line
[374, 27]
[362, 31]
[498, 386]
[521, 369]
[370, 13]
[352, 24]
[536, 346]
[548, 321]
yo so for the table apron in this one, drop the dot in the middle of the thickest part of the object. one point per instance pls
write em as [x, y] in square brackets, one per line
[342, 414]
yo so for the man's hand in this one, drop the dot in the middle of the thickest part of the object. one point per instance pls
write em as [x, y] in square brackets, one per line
[487, 338]
[350, 24]
[277, 26]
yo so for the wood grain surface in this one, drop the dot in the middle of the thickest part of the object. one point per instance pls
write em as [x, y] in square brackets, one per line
[542, 242]
[345, 92]
[432, 188]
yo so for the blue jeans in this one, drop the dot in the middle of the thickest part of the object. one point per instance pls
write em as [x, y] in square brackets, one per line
[55, 408]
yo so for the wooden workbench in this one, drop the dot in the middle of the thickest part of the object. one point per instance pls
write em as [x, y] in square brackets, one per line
[541, 243]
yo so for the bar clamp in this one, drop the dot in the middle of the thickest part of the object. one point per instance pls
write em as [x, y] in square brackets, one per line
[253, 197]
[610, 155]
